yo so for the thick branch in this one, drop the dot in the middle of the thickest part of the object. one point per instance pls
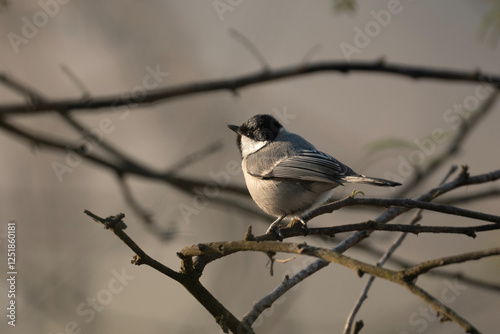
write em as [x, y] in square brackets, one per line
[403, 277]
[114, 101]
[230, 247]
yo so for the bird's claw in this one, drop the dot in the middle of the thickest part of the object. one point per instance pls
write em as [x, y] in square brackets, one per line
[275, 229]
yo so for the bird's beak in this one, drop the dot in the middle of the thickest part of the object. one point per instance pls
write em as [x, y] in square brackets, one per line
[234, 128]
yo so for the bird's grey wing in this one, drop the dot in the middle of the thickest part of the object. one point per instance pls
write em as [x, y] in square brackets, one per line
[310, 165]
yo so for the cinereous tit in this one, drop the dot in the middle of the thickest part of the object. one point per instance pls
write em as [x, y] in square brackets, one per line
[285, 174]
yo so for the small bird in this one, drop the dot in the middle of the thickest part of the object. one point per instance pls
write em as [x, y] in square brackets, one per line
[285, 174]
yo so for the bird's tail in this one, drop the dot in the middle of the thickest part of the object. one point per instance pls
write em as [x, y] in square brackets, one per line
[370, 180]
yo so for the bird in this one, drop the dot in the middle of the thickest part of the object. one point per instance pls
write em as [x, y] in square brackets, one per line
[285, 174]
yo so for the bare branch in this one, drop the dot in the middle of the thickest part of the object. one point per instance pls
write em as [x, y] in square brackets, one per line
[223, 317]
[364, 294]
[435, 273]
[266, 302]
[406, 203]
[134, 204]
[233, 84]
[43, 140]
[442, 309]
[79, 84]
[414, 229]
[181, 183]
[403, 277]
[411, 273]
[116, 225]
[250, 47]
[483, 194]
[194, 157]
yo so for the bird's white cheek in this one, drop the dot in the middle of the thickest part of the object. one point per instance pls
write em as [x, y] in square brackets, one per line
[249, 146]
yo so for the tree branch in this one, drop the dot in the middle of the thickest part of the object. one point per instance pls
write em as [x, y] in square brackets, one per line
[181, 183]
[403, 277]
[483, 194]
[406, 203]
[223, 317]
[162, 94]
[416, 218]
[462, 180]
[116, 225]
[376, 226]
[411, 273]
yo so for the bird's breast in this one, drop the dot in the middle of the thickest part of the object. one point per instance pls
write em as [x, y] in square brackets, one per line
[286, 197]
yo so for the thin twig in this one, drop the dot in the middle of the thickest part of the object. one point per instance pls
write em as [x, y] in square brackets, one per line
[250, 47]
[482, 194]
[194, 157]
[79, 84]
[132, 202]
[116, 225]
[411, 273]
[371, 251]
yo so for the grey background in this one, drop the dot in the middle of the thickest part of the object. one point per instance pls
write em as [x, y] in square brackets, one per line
[64, 258]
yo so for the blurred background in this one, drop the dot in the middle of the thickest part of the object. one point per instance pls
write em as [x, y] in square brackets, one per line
[73, 275]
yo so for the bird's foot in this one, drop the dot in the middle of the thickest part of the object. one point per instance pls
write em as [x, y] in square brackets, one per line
[275, 228]
[303, 225]
[355, 192]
